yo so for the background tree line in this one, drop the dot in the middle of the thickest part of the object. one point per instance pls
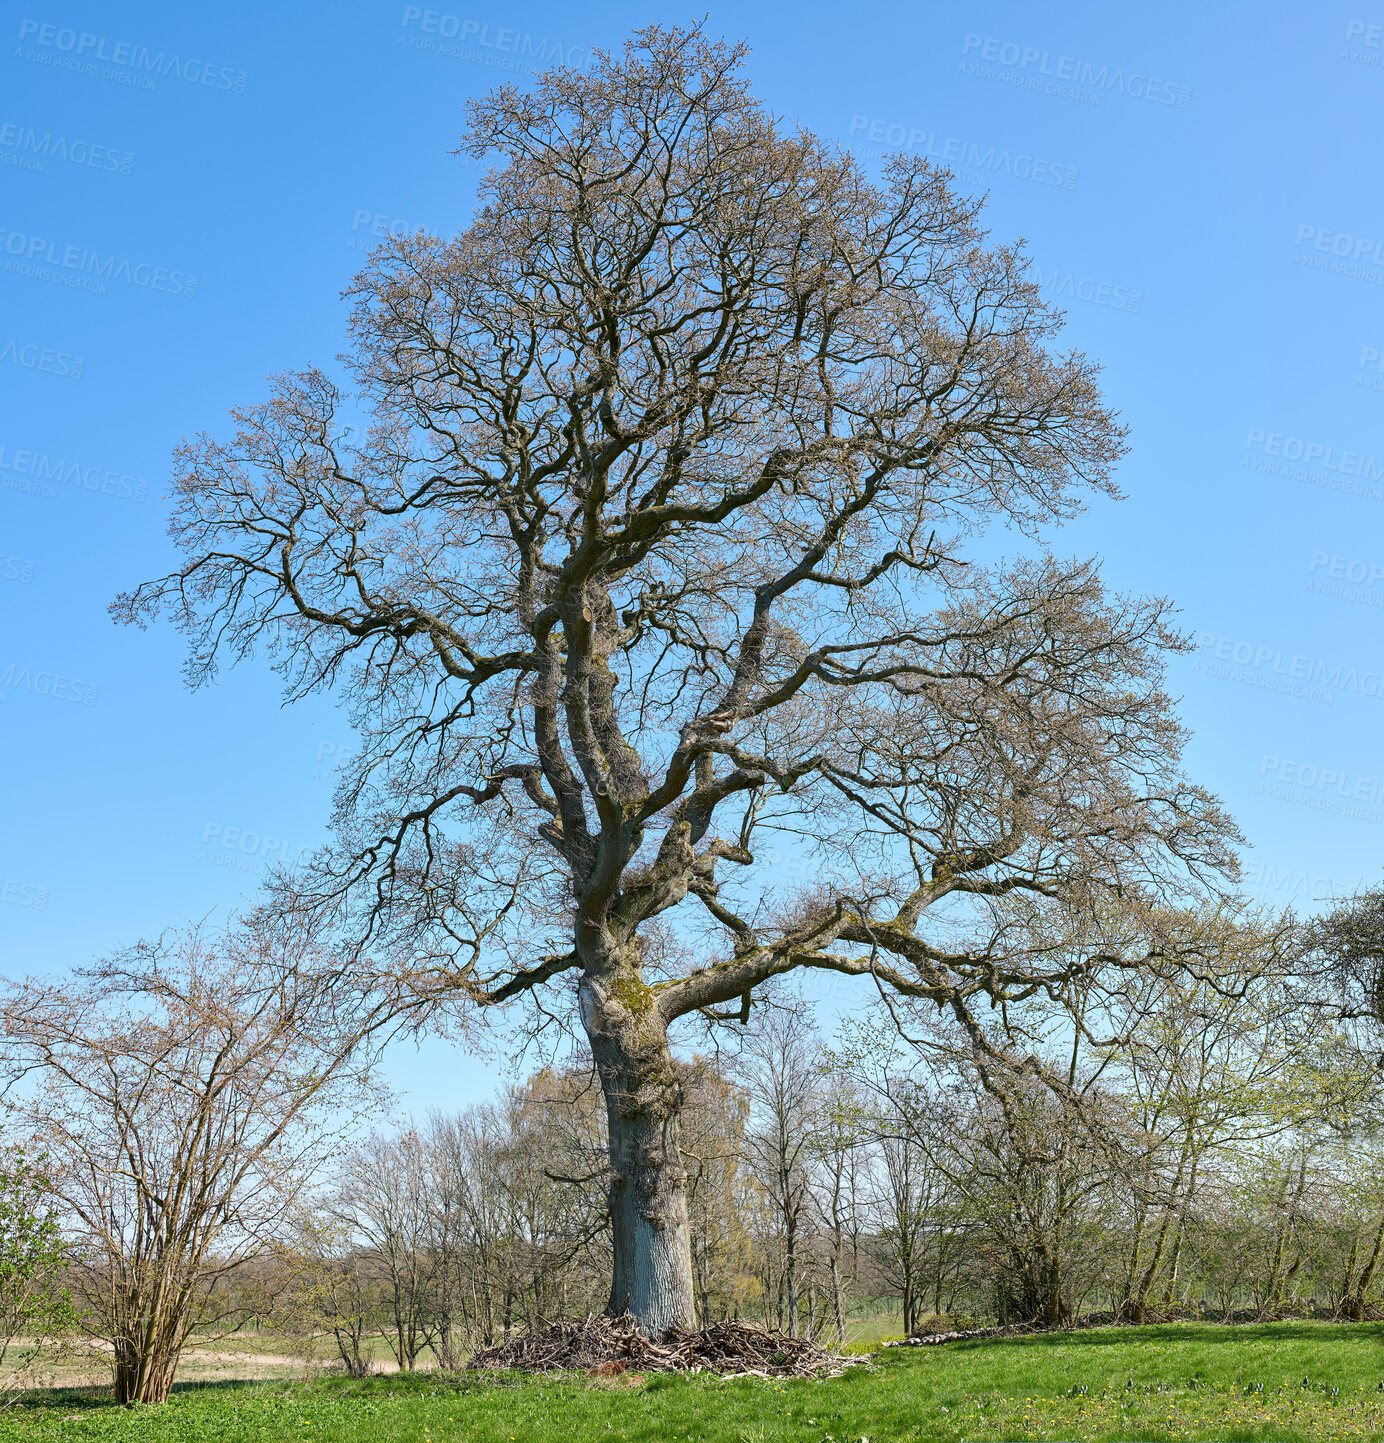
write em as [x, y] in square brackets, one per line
[1225, 1161]
[1200, 1132]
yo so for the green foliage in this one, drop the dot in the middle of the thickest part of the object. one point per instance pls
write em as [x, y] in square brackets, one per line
[1182, 1381]
[32, 1304]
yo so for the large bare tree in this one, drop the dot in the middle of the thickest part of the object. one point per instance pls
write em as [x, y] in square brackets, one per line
[639, 541]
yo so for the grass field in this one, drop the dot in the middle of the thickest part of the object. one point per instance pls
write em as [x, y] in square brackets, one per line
[1185, 1381]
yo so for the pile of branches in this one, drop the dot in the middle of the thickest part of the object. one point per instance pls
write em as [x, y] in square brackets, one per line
[964, 1335]
[607, 1347]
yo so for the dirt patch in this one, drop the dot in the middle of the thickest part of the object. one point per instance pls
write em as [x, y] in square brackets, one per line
[229, 1358]
[89, 1367]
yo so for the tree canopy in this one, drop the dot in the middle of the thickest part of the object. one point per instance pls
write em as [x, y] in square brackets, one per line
[647, 533]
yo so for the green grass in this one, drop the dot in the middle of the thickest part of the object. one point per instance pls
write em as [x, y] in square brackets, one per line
[1138, 1381]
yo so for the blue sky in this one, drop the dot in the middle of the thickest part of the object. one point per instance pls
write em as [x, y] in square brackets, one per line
[1199, 186]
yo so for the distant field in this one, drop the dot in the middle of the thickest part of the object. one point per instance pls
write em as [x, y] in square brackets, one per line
[1184, 1381]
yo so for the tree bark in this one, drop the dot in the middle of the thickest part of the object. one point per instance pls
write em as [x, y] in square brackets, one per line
[1355, 1305]
[837, 1303]
[791, 1266]
[703, 1289]
[143, 1377]
[642, 1085]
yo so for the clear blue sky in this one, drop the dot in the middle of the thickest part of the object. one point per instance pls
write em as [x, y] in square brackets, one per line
[1200, 185]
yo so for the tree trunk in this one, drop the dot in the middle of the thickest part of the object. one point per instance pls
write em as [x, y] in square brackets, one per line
[1355, 1304]
[703, 1288]
[642, 1085]
[1275, 1293]
[836, 1298]
[791, 1267]
[146, 1378]
[1175, 1262]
